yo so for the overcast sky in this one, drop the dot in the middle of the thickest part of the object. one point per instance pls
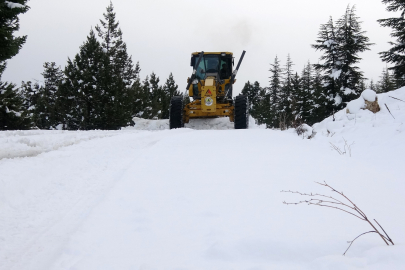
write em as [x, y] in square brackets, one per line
[162, 34]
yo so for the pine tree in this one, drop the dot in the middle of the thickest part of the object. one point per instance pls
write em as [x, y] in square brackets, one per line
[352, 41]
[362, 85]
[319, 99]
[258, 109]
[12, 113]
[83, 93]
[118, 73]
[46, 105]
[304, 101]
[386, 82]
[31, 98]
[399, 80]
[372, 86]
[157, 96]
[395, 55]
[330, 65]
[286, 92]
[248, 91]
[274, 95]
[141, 96]
[294, 105]
[169, 91]
[9, 23]
[148, 104]
[341, 45]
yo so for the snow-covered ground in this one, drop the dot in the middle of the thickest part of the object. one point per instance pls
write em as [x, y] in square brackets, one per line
[203, 197]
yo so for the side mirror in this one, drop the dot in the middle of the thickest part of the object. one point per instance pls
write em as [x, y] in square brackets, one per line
[192, 61]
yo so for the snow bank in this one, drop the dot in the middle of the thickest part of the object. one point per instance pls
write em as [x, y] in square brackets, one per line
[382, 132]
[30, 143]
[390, 119]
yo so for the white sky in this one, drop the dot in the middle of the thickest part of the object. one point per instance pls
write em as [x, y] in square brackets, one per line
[161, 34]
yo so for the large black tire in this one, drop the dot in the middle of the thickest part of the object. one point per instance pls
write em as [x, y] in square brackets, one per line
[176, 112]
[241, 112]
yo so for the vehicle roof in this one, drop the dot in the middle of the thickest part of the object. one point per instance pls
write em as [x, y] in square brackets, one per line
[197, 53]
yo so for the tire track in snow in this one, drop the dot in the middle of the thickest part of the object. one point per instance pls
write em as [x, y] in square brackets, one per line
[94, 169]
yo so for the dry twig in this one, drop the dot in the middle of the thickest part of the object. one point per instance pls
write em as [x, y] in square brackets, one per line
[348, 207]
[347, 148]
[397, 98]
[388, 110]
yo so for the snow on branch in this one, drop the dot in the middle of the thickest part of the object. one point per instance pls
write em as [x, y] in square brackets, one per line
[13, 5]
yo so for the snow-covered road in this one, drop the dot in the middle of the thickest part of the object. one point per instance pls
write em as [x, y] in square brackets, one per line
[195, 199]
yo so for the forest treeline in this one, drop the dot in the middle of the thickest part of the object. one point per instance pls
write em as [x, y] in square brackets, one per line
[318, 90]
[100, 88]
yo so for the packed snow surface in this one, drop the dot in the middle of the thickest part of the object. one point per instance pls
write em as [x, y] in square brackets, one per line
[203, 197]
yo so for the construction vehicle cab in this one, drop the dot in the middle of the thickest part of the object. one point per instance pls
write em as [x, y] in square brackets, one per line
[210, 86]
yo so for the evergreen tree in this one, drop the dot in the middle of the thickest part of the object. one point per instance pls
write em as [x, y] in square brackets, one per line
[399, 80]
[142, 105]
[272, 117]
[83, 93]
[286, 93]
[259, 104]
[31, 99]
[118, 74]
[169, 91]
[249, 92]
[148, 112]
[362, 85]
[319, 99]
[9, 23]
[294, 105]
[372, 86]
[386, 82]
[330, 65]
[352, 41]
[12, 113]
[304, 102]
[157, 96]
[46, 109]
[396, 54]
[341, 45]
[256, 96]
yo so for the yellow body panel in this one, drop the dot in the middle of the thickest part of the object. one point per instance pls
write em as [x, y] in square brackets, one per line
[194, 110]
[220, 92]
[209, 96]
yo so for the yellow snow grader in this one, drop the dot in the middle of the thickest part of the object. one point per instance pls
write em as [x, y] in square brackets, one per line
[210, 86]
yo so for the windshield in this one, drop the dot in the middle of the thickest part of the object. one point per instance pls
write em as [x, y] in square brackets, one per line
[208, 64]
[214, 63]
